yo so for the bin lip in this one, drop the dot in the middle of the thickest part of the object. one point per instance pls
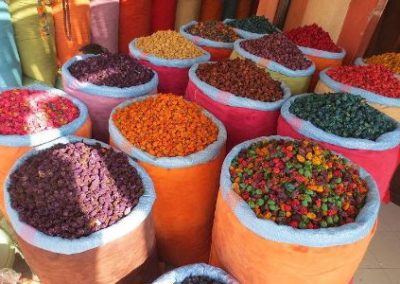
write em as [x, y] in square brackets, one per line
[207, 154]
[31, 140]
[234, 100]
[323, 237]
[370, 96]
[386, 141]
[104, 91]
[99, 238]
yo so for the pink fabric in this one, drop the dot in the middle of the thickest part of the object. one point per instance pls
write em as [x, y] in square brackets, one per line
[380, 164]
[104, 21]
[99, 107]
[241, 123]
[171, 79]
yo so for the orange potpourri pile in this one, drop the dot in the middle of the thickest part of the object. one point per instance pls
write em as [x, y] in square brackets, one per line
[166, 125]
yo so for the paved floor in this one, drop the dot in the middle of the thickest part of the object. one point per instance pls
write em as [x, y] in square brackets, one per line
[381, 264]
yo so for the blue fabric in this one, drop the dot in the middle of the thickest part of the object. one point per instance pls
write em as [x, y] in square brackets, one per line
[322, 53]
[10, 65]
[324, 237]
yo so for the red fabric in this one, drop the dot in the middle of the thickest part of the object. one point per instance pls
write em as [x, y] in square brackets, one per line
[163, 15]
[170, 79]
[241, 123]
[371, 161]
[134, 21]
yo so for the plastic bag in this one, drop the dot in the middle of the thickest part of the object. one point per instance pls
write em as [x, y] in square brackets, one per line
[183, 222]
[104, 22]
[389, 106]
[72, 27]
[108, 254]
[243, 118]
[134, 21]
[297, 80]
[260, 251]
[322, 60]
[366, 153]
[218, 50]
[201, 269]
[172, 73]
[10, 67]
[14, 146]
[102, 99]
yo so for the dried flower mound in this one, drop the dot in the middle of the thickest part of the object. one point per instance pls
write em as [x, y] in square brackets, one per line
[313, 36]
[200, 280]
[166, 126]
[390, 60]
[24, 111]
[343, 114]
[168, 45]
[298, 183]
[242, 78]
[279, 48]
[254, 24]
[373, 78]
[112, 70]
[213, 30]
[74, 190]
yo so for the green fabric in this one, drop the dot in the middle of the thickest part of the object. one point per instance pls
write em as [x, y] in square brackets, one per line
[37, 52]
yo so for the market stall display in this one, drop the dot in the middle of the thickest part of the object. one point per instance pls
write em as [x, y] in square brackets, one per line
[333, 221]
[183, 157]
[33, 116]
[170, 55]
[373, 82]
[104, 81]
[254, 100]
[103, 211]
[10, 67]
[391, 60]
[280, 57]
[212, 36]
[196, 273]
[317, 44]
[346, 124]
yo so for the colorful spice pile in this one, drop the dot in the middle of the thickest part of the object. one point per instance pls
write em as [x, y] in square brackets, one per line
[343, 114]
[242, 78]
[200, 280]
[313, 36]
[75, 189]
[166, 125]
[254, 24]
[278, 48]
[168, 45]
[24, 111]
[213, 30]
[373, 78]
[390, 60]
[112, 70]
[298, 183]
